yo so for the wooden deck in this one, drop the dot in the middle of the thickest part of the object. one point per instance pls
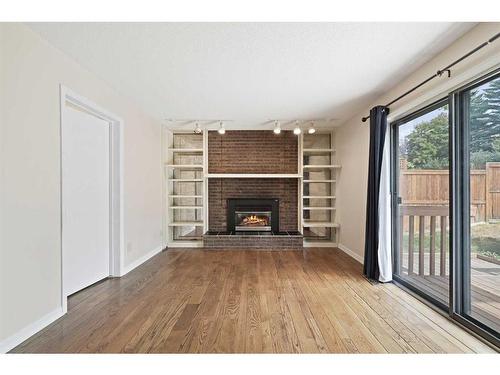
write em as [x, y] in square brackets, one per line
[210, 301]
[485, 291]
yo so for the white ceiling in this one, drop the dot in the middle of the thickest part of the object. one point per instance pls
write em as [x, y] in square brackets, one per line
[251, 72]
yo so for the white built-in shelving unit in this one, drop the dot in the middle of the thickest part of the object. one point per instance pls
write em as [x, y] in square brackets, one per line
[185, 166]
[184, 163]
[319, 169]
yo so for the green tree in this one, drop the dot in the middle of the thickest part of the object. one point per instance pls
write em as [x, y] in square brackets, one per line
[496, 144]
[427, 145]
[484, 116]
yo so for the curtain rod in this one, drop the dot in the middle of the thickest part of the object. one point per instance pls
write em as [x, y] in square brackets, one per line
[440, 72]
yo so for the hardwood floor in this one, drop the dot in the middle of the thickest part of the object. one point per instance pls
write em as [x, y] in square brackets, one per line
[199, 301]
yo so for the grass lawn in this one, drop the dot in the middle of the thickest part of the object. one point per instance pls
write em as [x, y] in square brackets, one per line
[486, 239]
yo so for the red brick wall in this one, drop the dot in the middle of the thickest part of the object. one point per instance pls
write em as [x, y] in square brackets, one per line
[252, 151]
[220, 189]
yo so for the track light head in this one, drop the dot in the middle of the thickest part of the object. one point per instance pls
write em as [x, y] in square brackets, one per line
[277, 128]
[312, 129]
[221, 130]
[297, 130]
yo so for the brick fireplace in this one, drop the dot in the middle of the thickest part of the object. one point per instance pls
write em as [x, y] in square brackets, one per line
[253, 152]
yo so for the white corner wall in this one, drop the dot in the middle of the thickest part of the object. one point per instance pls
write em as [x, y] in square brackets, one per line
[352, 138]
[31, 71]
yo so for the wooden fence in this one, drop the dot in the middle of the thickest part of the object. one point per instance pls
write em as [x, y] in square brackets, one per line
[420, 187]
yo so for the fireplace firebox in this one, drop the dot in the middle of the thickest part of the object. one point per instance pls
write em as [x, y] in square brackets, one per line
[253, 215]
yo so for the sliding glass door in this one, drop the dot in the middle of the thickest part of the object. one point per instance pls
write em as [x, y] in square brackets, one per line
[449, 253]
[478, 174]
[421, 202]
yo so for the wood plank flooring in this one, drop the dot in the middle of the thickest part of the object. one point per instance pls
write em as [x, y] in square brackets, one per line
[209, 301]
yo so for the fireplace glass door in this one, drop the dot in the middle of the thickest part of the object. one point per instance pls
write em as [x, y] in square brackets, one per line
[253, 221]
[253, 215]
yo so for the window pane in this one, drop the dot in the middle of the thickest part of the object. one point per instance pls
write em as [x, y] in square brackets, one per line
[484, 153]
[423, 210]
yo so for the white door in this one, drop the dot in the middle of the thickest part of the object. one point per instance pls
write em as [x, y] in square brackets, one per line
[85, 199]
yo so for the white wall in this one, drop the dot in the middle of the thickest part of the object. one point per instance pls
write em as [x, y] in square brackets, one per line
[31, 71]
[352, 138]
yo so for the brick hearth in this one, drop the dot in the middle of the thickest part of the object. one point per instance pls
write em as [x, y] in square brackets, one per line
[224, 241]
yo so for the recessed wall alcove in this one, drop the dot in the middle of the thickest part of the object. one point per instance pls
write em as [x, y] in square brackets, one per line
[204, 171]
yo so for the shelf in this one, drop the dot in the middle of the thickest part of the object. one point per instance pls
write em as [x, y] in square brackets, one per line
[185, 196]
[309, 242]
[318, 208]
[318, 158]
[319, 224]
[186, 150]
[318, 150]
[186, 207]
[186, 166]
[184, 161]
[186, 224]
[186, 179]
[318, 181]
[318, 197]
[251, 175]
[321, 166]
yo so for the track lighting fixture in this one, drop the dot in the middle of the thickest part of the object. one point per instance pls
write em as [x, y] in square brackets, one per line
[197, 129]
[311, 130]
[277, 128]
[221, 129]
[297, 130]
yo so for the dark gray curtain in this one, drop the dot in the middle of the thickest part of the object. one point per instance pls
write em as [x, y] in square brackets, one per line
[378, 126]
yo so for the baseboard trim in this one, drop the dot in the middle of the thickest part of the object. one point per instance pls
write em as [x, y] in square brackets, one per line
[136, 263]
[351, 253]
[320, 244]
[17, 338]
[186, 244]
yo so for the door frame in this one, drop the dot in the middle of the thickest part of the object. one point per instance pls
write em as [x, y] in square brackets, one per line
[459, 236]
[460, 198]
[394, 177]
[116, 209]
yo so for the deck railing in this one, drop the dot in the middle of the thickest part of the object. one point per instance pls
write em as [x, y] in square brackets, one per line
[421, 213]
